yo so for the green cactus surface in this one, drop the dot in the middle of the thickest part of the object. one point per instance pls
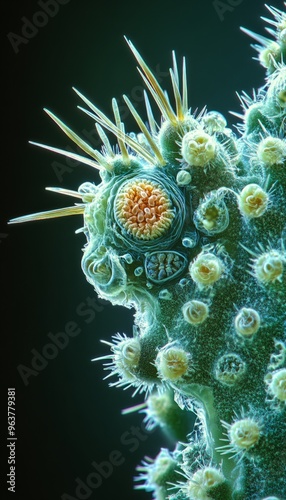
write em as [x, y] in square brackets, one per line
[188, 228]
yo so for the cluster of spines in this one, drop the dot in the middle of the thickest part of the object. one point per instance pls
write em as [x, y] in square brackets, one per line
[271, 53]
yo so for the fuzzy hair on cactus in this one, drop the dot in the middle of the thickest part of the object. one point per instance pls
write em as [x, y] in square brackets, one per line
[188, 227]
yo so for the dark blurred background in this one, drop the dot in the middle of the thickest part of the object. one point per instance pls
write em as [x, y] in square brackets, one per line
[66, 416]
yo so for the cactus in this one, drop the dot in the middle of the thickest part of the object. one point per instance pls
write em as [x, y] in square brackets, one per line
[188, 228]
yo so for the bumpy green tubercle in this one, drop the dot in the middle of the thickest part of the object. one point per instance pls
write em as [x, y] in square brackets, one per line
[188, 227]
[211, 326]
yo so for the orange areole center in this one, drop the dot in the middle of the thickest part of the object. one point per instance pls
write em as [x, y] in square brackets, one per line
[143, 208]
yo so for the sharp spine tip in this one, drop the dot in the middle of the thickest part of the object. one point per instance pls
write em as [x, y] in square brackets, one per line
[259, 38]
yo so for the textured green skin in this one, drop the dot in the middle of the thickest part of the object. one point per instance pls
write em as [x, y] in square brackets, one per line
[261, 470]
[116, 263]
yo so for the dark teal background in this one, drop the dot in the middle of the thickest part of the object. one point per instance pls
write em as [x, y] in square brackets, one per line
[67, 416]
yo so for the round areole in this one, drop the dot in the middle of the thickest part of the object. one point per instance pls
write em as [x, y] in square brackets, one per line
[144, 209]
[149, 212]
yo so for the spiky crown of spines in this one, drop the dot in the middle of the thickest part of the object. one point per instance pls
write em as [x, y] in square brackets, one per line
[271, 56]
